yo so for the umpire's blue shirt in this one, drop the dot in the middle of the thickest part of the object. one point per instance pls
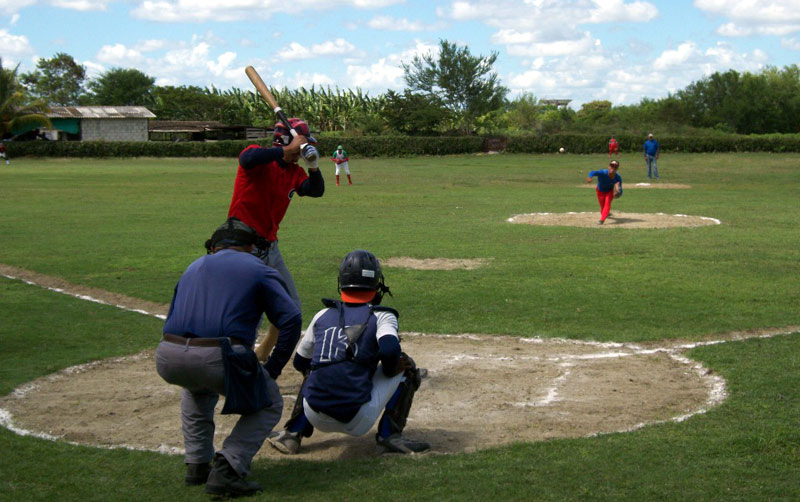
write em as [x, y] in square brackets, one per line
[224, 294]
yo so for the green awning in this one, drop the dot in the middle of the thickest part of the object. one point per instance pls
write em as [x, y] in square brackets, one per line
[72, 126]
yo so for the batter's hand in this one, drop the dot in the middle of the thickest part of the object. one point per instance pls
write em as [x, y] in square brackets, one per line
[291, 152]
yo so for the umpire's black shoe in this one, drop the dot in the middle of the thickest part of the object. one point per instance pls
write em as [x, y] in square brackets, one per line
[196, 474]
[224, 481]
[396, 443]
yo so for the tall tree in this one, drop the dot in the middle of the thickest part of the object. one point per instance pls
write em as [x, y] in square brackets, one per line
[122, 87]
[466, 84]
[414, 114]
[16, 110]
[58, 80]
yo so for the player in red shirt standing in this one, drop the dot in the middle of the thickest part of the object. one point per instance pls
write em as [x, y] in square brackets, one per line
[613, 147]
[266, 181]
[3, 153]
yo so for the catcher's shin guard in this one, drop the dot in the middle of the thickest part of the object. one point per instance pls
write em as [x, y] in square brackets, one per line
[297, 420]
[394, 418]
[337, 179]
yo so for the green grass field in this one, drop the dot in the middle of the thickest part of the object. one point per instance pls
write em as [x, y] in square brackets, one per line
[132, 225]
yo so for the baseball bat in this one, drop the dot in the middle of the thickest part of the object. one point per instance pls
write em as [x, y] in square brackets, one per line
[255, 78]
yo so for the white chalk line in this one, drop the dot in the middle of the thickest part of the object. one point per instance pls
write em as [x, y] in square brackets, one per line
[717, 385]
[83, 297]
[514, 218]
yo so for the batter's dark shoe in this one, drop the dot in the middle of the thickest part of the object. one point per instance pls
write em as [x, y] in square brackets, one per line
[286, 442]
[600, 222]
[196, 474]
[396, 443]
[224, 481]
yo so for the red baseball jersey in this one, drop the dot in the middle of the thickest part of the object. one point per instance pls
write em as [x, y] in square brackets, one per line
[261, 195]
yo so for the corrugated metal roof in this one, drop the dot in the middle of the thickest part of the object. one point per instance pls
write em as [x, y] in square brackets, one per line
[100, 112]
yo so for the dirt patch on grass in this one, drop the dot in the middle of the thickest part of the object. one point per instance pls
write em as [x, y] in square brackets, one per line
[480, 391]
[434, 263]
[615, 220]
[656, 185]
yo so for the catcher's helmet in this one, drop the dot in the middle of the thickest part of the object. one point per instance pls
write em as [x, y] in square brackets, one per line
[232, 233]
[361, 278]
[281, 136]
[614, 164]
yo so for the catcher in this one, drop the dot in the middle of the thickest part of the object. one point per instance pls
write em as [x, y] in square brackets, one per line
[354, 367]
[341, 159]
[609, 186]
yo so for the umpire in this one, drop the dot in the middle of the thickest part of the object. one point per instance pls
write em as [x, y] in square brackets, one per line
[207, 349]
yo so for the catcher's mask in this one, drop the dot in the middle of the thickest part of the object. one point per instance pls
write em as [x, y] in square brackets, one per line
[361, 278]
[614, 164]
[281, 136]
[231, 233]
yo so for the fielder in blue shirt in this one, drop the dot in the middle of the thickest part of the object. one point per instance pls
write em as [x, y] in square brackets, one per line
[651, 151]
[609, 186]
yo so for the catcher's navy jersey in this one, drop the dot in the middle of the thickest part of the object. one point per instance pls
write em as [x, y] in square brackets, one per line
[341, 378]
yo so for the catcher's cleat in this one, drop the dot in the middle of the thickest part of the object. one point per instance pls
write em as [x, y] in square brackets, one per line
[286, 442]
[396, 443]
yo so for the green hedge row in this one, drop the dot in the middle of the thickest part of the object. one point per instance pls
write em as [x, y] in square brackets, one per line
[400, 146]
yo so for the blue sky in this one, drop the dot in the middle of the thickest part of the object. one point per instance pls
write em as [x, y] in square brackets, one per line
[584, 50]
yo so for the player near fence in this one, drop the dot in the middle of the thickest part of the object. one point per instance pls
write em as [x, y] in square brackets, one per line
[613, 147]
[341, 160]
[354, 367]
[207, 348]
[3, 154]
[609, 187]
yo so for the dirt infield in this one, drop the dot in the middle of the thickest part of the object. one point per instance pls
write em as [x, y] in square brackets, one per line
[480, 391]
[433, 263]
[615, 219]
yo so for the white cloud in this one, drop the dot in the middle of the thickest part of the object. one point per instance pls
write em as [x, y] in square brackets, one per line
[80, 5]
[14, 48]
[13, 6]
[222, 63]
[676, 57]
[748, 17]
[239, 10]
[119, 55]
[792, 44]
[556, 48]
[336, 47]
[387, 72]
[388, 23]
[13, 20]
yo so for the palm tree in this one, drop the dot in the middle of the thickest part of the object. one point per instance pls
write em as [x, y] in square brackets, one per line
[16, 112]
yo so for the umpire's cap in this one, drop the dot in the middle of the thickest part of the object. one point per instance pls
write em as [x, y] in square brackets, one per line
[232, 233]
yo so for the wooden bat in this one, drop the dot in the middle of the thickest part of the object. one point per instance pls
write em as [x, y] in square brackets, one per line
[261, 87]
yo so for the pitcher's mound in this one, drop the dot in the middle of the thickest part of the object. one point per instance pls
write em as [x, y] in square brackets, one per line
[615, 220]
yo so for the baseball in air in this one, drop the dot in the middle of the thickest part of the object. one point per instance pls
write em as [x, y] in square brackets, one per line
[561, 150]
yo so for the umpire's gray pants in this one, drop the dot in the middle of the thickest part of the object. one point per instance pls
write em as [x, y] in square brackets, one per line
[272, 258]
[200, 371]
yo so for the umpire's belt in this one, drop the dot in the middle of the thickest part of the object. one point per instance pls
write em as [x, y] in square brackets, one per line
[200, 342]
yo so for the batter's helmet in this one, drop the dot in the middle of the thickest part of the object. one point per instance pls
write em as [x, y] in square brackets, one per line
[281, 136]
[361, 278]
[231, 233]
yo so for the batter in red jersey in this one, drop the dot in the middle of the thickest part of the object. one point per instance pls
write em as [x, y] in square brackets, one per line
[266, 182]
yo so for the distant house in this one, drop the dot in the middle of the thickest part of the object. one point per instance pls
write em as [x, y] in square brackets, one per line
[99, 123]
[199, 130]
